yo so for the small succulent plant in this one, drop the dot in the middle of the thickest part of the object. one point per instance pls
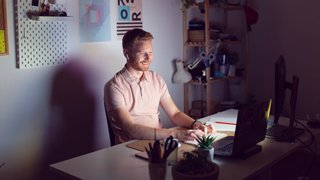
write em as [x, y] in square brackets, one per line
[205, 142]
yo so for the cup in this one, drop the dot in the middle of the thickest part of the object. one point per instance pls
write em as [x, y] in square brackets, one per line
[232, 71]
[223, 69]
[157, 171]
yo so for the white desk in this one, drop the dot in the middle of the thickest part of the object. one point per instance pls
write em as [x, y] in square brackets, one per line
[119, 162]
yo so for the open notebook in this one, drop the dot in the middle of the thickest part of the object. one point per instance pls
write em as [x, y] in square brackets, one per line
[224, 122]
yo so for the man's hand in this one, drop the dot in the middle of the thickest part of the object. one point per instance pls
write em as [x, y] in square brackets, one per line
[187, 135]
[209, 128]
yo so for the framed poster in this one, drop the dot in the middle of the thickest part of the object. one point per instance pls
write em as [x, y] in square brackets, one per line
[94, 21]
[129, 16]
[3, 29]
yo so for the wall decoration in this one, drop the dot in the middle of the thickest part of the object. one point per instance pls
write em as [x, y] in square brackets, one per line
[35, 3]
[40, 42]
[3, 29]
[129, 16]
[94, 20]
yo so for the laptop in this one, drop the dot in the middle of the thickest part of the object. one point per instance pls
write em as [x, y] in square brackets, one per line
[250, 129]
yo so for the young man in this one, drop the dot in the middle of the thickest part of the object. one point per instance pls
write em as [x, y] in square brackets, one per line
[134, 94]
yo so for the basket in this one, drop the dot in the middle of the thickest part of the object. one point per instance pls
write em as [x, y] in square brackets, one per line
[196, 35]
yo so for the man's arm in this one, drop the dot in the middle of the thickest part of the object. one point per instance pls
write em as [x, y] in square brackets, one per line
[181, 119]
[175, 115]
[138, 131]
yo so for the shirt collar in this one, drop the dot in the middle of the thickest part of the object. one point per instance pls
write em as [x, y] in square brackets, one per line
[130, 78]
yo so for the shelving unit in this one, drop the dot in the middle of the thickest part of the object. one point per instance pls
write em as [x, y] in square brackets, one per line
[207, 43]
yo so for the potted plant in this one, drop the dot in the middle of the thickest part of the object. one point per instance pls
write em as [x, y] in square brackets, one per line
[195, 165]
[205, 145]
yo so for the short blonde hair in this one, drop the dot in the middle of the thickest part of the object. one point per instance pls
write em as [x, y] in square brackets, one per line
[133, 36]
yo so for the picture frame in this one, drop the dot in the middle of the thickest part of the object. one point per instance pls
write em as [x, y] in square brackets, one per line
[3, 29]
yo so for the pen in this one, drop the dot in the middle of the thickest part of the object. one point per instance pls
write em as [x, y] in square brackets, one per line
[229, 123]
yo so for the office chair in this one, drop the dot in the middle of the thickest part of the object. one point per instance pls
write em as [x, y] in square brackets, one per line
[111, 132]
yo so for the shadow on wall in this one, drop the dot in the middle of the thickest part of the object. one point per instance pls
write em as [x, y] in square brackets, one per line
[70, 129]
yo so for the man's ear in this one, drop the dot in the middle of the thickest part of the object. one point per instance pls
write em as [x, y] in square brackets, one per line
[125, 53]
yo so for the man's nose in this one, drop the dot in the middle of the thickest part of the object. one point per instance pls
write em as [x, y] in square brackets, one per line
[147, 56]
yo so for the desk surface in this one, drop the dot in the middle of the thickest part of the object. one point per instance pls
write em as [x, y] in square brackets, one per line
[119, 162]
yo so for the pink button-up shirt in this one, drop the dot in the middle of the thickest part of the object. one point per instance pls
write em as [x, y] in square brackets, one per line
[140, 97]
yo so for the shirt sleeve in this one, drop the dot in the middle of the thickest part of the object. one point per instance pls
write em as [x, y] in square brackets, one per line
[163, 89]
[113, 97]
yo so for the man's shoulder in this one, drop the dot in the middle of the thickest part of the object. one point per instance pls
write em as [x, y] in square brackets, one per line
[154, 74]
[116, 79]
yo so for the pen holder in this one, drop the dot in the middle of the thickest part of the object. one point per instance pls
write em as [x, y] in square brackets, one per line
[157, 171]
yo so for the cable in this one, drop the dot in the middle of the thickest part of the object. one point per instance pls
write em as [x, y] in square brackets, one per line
[312, 135]
[314, 161]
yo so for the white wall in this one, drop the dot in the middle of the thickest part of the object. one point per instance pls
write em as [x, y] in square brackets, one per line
[29, 112]
[290, 28]
[37, 104]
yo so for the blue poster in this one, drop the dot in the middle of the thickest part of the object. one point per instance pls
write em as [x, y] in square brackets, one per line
[94, 19]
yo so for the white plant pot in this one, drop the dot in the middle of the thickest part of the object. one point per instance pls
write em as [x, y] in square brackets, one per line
[209, 152]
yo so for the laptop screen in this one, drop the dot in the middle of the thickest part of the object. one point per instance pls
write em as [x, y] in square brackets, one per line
[251, 126]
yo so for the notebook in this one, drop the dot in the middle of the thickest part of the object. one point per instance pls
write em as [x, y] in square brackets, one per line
[250, 129]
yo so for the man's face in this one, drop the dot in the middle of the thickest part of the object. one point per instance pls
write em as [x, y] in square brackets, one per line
[140, 56]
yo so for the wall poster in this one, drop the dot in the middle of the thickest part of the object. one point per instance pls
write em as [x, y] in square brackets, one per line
[94, 20]
[3, 29]
[129, 16]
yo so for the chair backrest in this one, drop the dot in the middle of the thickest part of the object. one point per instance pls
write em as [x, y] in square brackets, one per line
[111, 133]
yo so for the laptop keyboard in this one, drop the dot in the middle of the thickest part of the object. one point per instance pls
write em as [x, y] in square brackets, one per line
[226, 148]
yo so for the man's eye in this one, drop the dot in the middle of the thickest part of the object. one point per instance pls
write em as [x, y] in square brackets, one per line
[141, 54]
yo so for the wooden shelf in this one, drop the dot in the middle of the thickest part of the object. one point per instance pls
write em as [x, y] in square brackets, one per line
[227, 7]
[240, 45]
[201, 43]
[221, 6]
[51, 18]
[213, 80]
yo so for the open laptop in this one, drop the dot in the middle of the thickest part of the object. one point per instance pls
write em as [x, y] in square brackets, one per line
[250, 129]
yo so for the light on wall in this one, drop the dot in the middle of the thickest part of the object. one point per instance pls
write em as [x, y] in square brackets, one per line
[181, 75]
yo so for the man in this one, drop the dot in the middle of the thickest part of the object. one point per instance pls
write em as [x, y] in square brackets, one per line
[134, 94]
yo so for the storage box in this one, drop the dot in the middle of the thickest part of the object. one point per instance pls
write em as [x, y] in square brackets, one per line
[195, 35]
[214, 34]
